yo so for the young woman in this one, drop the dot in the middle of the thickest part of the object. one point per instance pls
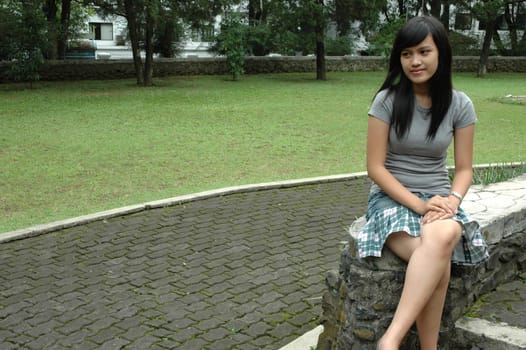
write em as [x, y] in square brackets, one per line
[413, 208]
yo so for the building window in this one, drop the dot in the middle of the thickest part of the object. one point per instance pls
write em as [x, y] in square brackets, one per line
[101, 31]
[463, 21]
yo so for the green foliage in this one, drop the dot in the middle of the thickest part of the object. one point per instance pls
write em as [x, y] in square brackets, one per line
[231, 42]
[293, 25]
[342, 14]
[259, 40]
[168, 34]
[30, 41]
[486, 10]
[497, 173]
[9, 25]
[26, 65]
[339, 46]
[382, 41]
[463, 45]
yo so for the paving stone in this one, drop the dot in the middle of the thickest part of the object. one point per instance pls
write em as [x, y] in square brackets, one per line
[273, 307]
[282, 330]
[214, 274]
[215, 334]
[182, 335]
[257, 329]
[195, 344]
[116, 343]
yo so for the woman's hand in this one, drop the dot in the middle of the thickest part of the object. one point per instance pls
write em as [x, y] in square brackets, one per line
[440, 208]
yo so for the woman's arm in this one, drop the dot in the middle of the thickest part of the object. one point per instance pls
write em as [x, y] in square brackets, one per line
[463, 148]
[463, 160]
[377, 141]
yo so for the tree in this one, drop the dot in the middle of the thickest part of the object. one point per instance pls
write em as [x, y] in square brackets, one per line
[487, 11]
[9, 27]
[259, 34]
[257, 12]
[231, 42]
[342, 16]
[168, 34]
[144, 18]
[50, 10]
[27, 32]
[320, 25]
[64, 19]
[65, 26]
[299, 26]
[514, 10]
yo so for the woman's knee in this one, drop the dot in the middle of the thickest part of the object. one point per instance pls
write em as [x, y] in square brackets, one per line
[442, 235]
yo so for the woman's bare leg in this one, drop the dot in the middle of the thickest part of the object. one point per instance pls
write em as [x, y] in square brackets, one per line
[428, 260]
[428, 322]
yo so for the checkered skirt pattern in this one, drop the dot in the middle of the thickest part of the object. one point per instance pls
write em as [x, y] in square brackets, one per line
[385, 216]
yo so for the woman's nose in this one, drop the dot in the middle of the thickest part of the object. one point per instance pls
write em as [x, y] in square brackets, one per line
[416, 60]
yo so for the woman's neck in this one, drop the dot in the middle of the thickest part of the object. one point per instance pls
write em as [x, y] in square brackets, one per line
[421, 92]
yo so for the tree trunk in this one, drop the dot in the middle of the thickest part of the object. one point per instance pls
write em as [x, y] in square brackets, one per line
[512, 25]
[445, 14]
[401, 7]
[501, 49]
[321, 71]
[256, 12]
[131, 16]
[436, 6]
[486, 45]
[50, 8]
[65, 16]
[320, 44]
[148, 65]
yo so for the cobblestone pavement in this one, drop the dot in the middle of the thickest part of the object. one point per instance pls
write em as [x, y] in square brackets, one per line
[240, 271]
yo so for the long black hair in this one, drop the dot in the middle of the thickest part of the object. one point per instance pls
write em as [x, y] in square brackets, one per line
[440, 85]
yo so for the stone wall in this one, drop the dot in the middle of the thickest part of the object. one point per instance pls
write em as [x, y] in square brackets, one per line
[362, 296]
[121, 69]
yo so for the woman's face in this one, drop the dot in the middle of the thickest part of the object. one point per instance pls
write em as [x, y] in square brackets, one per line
[420, 62]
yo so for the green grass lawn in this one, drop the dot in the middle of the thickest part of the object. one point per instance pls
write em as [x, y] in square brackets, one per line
[73, 148]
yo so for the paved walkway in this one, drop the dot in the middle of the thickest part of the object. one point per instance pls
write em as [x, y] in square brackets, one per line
[239, 271]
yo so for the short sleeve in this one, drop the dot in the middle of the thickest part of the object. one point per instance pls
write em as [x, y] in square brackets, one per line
[465, 111]
[382, 106]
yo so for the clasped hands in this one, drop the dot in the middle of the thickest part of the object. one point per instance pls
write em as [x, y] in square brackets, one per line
[440, 208]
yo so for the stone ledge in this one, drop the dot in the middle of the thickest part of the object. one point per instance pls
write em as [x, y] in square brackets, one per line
[361, 297]
[123, 68]
[493, 333]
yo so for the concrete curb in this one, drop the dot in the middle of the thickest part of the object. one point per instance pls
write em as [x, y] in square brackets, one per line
[80, 220]
[103, 215]
[307, 341]
[494, 332]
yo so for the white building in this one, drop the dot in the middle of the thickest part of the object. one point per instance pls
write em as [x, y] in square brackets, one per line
[109, 37]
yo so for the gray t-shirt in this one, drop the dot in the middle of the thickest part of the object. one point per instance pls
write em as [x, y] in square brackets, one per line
[420, 164]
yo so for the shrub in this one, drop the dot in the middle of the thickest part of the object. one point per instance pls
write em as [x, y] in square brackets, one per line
[463, 45]
[231, 42]
[382, 42]
[259, 40]
[339, 46]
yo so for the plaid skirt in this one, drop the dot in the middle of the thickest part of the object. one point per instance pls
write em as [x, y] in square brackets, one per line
[385, 216]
